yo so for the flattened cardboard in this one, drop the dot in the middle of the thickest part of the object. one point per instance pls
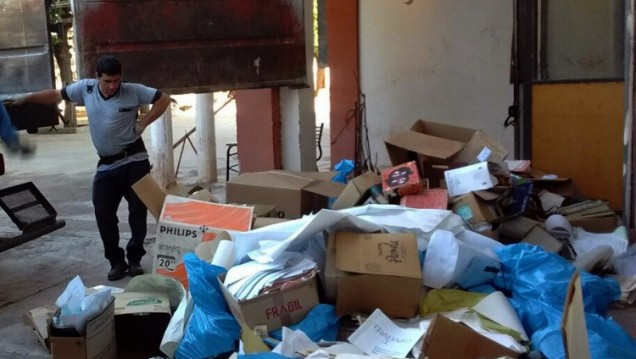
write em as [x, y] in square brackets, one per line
[356, 191]
[474, 209]
[573, 327]
[447, 339]
[38, 319]
[151, 194]
[292, 193]
[184, 223]
[99, 342]
[274, 310]
[383, 271]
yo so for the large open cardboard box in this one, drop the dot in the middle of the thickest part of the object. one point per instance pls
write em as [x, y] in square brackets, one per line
[281, 308]
[292, 193]
[375, 270]
[98, 342]
[429, 141]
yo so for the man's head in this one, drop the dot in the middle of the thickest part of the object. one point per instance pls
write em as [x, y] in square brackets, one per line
[109, 74]
[108, 65]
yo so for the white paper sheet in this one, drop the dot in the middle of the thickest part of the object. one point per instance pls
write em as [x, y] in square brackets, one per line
[265, 244]
[378, 335]
[497, 308]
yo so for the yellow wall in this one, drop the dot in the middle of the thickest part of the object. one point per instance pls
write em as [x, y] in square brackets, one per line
[577, 132]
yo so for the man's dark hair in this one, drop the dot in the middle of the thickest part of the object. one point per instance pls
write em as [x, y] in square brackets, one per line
[109, 65]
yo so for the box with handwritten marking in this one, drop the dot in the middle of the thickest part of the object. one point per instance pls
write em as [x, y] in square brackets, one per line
[374, 270]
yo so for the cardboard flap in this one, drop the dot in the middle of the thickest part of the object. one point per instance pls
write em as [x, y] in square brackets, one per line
[378, 253]
[356, 190]
[327, 189]
[573, 327]
[427, 145]
[486, 195]
[273, 179]
[483, 148]
[455, 133]
[151, 194]
[447, 339]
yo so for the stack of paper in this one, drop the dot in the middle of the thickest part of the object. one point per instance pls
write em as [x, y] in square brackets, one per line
[248, 280]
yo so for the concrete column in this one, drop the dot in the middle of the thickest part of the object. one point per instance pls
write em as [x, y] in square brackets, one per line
[298, 129]
[161, 154]
[344, 70]
[206, 137]
[258, 129]
[298, 118]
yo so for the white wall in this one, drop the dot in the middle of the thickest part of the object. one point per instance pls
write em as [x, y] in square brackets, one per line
[442, 60]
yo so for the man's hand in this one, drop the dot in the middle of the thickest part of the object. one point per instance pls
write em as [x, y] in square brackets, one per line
[139, 128]
[15, 101]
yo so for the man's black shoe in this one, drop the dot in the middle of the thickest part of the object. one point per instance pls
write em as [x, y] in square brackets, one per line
[118, 271]
[134, 269]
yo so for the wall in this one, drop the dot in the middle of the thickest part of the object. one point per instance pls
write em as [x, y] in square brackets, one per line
[447, 61]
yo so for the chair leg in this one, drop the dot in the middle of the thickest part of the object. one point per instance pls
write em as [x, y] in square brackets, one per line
[227, 163]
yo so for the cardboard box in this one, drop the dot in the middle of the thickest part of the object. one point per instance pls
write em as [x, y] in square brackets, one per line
[434, 142]
[381, 271]
[476, 207]
[184, 223]
[447, 339]
[98, 342]
[402, 179]
[141, 318]
[274, 310]
[292, 193]
[357, 190]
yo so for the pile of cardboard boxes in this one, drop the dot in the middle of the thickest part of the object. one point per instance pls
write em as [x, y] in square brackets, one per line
[434, 166]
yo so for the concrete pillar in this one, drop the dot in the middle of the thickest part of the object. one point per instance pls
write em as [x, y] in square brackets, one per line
[258, 129]
[206, 137]
[298, 119]
[160, 151]
[344, 70]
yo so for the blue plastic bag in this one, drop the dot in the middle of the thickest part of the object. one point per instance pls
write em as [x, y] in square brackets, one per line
[536, 282]
[321, 323]
[343, 168]
[211, 330]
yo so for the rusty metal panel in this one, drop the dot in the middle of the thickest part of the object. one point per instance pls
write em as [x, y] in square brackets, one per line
[195, 45]
[26, 62]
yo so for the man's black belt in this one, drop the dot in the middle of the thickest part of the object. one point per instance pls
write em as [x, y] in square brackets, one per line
[135, 147]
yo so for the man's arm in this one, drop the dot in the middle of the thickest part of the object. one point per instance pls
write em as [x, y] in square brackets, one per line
[158, 108]
[43, 97]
